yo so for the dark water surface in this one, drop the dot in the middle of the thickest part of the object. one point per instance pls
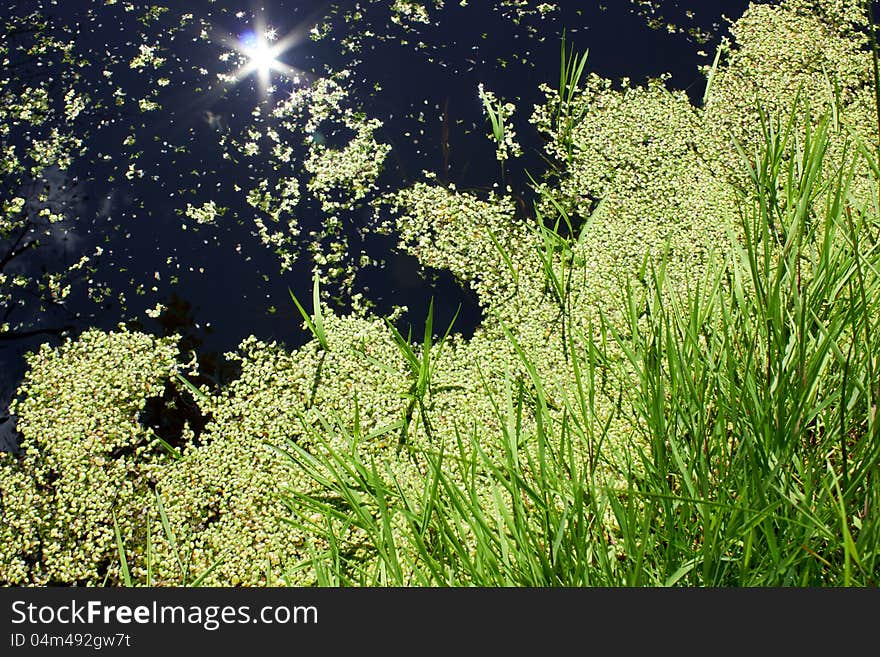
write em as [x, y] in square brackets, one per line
[219, 283]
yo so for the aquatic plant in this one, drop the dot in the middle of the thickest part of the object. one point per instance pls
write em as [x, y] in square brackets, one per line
[675, 382]
[87, 456]
[499, 114]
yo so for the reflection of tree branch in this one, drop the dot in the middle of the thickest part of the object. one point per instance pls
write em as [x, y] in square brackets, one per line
[18, 335]
[15, 252]
[15, 243]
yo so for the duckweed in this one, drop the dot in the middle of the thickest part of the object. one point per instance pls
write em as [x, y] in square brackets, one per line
[643, 174]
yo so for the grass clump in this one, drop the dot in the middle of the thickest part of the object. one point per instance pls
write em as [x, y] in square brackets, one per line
[752, 396]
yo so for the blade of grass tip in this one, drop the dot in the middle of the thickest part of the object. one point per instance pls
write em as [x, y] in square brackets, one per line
[201, 578]
[427, 341]
[164, 444]
[505, 257]
[123, 562]
[405, 348]
[316, 325]
[388, 548]
[385, 367]
[496, 118]
[316, 309]
[385, 429]
[442, 342]
[851, 554]
[169, 532]
[683, 570]
[431, 500]
[149, 552]
[535, 185]
[498, 124]
[560, 210]
[560, 534]
[530, 367]
[305, 315]
[711, 76]
[578, 66]
[194, 391]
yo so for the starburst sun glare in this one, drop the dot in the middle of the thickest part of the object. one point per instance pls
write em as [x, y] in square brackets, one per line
[262, 55]
[262, 50]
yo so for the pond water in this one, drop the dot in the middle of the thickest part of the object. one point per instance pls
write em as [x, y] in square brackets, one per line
[161, 132]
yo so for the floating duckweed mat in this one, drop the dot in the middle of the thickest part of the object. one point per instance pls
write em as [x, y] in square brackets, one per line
[674, 383]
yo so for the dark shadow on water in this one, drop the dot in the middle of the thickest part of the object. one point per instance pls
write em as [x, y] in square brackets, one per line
[167, 416]
[403, 281]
